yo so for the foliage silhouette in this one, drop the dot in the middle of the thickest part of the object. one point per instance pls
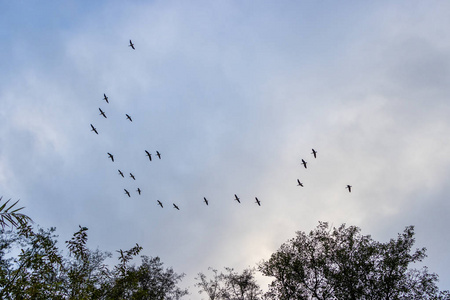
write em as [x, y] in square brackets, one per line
[340, 263]
[41, 271]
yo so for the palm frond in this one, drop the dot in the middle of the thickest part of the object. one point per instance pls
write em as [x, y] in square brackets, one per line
[9, 215]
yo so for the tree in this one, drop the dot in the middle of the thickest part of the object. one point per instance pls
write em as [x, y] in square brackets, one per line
[340, 263]
[85, 272]
[148, 281]
[41, 271]
[35, 272]
[230, 285]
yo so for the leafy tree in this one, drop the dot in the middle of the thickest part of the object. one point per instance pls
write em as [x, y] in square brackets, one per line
[41, 271]
[35, 272]
[148, 281]
[85, 271]
[340, 263]
[212, 287]
[230, 285]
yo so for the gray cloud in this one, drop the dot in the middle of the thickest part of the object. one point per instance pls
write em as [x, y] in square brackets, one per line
[233, 96]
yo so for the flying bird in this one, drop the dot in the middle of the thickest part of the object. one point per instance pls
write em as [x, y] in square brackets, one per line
[257, 201]
[139, 191]
[149, 155]
[204, 200]
[102, 112]
[105, 98]
[349, 187]
[158, 154]
[299, 183]
[175, 206]
[111, 156]
[128, 117]
[127, 192]
[121, 174]
[236, 198]
[314, 152]
[159, 203]
[131, 45]
[94, 129]
[132, 176]
[304, 163]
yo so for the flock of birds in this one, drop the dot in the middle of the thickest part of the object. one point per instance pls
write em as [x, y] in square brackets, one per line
[304, 163]
[158, 154]
[111, 156]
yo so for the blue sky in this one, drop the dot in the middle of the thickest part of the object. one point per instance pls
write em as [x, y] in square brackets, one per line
[233, 94]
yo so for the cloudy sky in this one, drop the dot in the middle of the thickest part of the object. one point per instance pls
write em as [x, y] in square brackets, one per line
[233, 94]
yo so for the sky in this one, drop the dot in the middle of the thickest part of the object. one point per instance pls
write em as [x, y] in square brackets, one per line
[233, 94]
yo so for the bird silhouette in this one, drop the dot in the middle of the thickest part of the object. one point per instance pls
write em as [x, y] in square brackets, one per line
[139, 191]
[304, 163]
[159, 203]
[158, 154]
[149, 155]
[121, 174]
[299, 183]
[131, 45]
[175, 206]
[127, 192]
[129, 118]
[258, 202]
[206, 201]
[111, 156]
[236, 198]
[105, 98]
[94, 129]
[314, 152]
[132, 176]
[349, 187]
[102, 112]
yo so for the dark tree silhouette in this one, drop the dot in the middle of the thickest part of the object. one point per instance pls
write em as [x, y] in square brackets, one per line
[230, 285]
[340, 263]
[40, 271]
